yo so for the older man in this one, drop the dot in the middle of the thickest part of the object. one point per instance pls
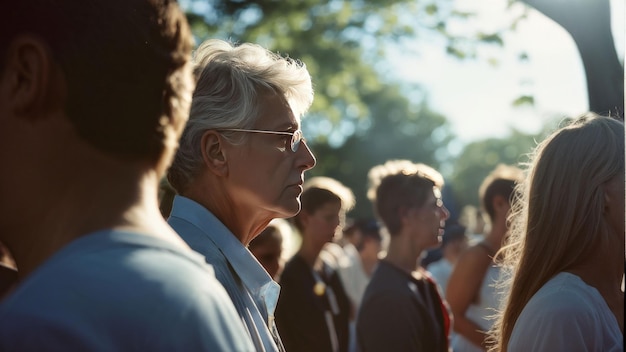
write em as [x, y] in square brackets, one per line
[93, 97]
[241, 163]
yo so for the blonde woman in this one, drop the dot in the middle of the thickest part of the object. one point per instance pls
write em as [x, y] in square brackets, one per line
[566, 249]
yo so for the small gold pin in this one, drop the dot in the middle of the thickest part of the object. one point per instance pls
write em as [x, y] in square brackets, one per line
[319, 288]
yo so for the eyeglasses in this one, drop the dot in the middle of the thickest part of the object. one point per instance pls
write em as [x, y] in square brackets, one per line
[296, 136]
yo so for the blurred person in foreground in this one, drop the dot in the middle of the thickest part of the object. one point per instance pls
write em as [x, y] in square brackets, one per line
[93, 97]
[566, 248]
[240, 164]
[401, 309]
[471, 291]
[313, 311]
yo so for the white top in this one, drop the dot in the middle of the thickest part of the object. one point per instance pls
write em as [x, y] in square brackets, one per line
[481, 313]
[352, 275]
[566, 314]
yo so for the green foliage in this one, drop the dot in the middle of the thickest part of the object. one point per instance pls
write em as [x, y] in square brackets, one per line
[396, 130]
[338, 41]
[479, 158]
[524, 100]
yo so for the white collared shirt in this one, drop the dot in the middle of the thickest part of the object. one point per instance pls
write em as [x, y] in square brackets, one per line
[251, 289]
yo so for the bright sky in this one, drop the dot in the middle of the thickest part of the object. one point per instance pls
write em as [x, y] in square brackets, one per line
[477, 97]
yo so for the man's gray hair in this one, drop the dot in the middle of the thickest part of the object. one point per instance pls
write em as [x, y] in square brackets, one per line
[231, 79]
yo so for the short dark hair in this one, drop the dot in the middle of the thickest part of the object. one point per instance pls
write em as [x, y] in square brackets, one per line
[399, 184]
[400, 191]
[125, 64]
[319, 191]
[500, 182]
[369, 228]
[312, 199]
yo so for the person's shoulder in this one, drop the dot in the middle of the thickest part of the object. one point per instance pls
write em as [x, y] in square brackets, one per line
[108, 262]
[474, 256]
[384, 271]
[294, 269]
[391, 301]
[111, 288]
[388, 283]
[333, 255]
[558, 312]
[565, 296]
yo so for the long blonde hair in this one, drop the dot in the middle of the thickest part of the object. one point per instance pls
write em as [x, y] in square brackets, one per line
[557, 223]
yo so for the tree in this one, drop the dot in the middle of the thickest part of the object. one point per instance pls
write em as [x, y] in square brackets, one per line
[342, 42]
[589, 24]
[396, 130]
[328, 36]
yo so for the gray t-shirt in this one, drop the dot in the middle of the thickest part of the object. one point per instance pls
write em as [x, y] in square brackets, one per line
[121, 291]
[401, 313]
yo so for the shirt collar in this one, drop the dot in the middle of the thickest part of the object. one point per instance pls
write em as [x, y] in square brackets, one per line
[251, 273]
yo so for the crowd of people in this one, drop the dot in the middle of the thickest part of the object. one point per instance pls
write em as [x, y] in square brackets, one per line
[157, 201]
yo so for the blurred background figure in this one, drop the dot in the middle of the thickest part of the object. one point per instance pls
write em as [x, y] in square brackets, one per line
[368, 246]
[268, 246]
[474, 221]
[453, 242]
[366, 239]
[471, 291]
[313, 311]
[566, 247]
[402, 309]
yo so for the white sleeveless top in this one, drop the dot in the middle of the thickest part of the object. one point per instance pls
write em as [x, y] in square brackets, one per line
[481, 312]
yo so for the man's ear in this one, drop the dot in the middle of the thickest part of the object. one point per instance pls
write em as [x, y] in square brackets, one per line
[213, 153]
[32, 77]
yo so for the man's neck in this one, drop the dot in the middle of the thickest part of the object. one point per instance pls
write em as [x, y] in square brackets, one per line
[402, 255]
[86, 201]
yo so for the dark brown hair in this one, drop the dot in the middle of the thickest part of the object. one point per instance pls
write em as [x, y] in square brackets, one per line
[125, 63]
